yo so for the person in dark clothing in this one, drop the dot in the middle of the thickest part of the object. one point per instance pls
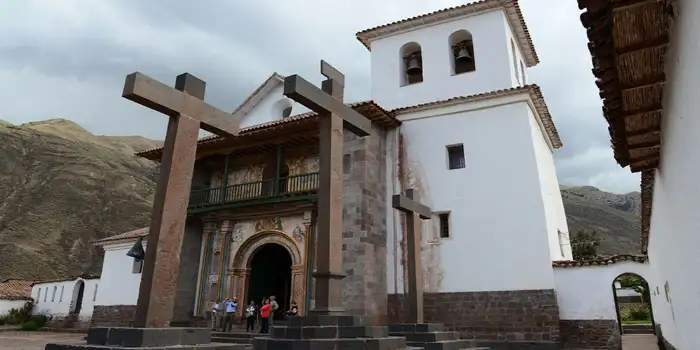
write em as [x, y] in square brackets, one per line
[294, 310]
[250, 316]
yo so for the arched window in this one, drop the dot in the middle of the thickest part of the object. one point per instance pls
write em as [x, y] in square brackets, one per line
[60, 299]
[411, 64]
[462, 52]
[38, 295]
[515, 61]
[53, 295]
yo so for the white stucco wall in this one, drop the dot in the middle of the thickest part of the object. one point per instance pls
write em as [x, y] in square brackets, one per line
[120, 286]
[559, 247]
[7, 305]
[586, 293]
[63, 301]
[491, 53]
[270, 108]
[674, 245]
[496, 203]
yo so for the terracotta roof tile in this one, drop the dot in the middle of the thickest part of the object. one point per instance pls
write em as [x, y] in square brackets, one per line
[130, 235]
[13, 289]
[602, 261]
[271, 124]
[511, 7]
[532, 89]
[84, 276]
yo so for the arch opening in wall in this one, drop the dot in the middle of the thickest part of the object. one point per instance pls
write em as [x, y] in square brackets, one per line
[76, 303]
[633, 304]
[462, 56]
[411, 64]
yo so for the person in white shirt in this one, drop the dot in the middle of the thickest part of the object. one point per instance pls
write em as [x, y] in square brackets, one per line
[215, 315]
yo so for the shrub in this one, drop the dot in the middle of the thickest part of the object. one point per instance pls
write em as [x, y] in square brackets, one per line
[29, 326]
[635, 312]
[39, 320]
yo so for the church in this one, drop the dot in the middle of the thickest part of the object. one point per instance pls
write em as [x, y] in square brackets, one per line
[456, 119]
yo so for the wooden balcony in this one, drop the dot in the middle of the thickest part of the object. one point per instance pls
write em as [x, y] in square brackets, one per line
[270, 190]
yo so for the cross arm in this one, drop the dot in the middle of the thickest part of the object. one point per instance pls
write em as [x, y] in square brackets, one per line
[313, 98]
[153, 94]
[408, 205]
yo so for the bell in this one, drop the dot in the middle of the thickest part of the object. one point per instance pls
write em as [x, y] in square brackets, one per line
[137, 251]
[464, 55]
[413, 66]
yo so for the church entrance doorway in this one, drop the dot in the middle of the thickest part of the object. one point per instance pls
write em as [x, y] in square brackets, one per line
[77, 300]
[271, 274]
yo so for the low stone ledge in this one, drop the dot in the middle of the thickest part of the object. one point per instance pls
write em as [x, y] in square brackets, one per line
[590, 334]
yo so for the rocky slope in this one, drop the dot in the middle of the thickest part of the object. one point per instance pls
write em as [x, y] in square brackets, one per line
[63, 187]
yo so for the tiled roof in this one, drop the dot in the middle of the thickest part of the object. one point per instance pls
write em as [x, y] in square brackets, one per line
[511, 7]
[272, 124]
[602, 261]
[126, 236]
[84, 276]
[532, 89]
[16, 290]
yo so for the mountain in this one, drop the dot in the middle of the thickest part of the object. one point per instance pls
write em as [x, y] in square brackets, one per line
[64, 187]
[616, 217]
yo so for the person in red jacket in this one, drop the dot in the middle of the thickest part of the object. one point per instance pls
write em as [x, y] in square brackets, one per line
[265, 316]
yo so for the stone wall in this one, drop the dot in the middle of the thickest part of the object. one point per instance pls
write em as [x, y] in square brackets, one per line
[364, 224]
[590, 334]
[113, 316]
[496, 316]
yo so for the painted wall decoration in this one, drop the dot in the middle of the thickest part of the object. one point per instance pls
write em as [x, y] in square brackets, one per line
[298, 234]
[273, 223]
[237, 234]
[302, 165]
[246, 175]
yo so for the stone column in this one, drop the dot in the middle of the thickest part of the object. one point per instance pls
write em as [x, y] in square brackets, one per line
[298, 287]
[240, 285]
[308, 266]
[226, 229]
[207, 240]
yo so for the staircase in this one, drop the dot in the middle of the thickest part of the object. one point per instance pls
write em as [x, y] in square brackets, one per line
[637, 329]
[431, 336]
[235, 337]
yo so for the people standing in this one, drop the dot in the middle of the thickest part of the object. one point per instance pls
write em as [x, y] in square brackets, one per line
[250, 315]
[265, 317]
[215, 315]
[273, 307]
[231, 306]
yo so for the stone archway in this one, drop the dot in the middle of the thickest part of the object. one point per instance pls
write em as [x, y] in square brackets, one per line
[244, 254]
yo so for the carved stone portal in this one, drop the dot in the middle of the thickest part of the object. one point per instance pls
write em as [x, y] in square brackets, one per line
[240, 267]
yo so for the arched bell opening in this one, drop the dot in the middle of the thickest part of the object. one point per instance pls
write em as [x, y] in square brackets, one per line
[411, 64]
[462, 52]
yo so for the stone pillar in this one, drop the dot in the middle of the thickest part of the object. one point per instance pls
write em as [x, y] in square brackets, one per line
[298, 285]
[240, 285]
[308, 265]
[226, 229]
[209, 229]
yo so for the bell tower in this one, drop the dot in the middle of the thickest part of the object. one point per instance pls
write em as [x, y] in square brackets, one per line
[467, 50]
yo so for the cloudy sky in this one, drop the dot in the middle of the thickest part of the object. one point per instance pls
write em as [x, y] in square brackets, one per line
[68, 58]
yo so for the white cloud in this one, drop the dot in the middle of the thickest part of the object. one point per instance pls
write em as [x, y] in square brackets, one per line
[68, 59]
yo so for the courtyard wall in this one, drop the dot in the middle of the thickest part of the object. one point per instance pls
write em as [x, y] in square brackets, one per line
[587, 311]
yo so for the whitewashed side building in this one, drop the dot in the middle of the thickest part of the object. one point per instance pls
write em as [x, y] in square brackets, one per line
[67, 302]
[14, 294]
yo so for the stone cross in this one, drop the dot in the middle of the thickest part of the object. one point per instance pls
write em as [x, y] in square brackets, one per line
[188, 112]
[409, 205]
[334, 115]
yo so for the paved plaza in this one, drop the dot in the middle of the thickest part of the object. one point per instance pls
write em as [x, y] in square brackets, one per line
[35, 340]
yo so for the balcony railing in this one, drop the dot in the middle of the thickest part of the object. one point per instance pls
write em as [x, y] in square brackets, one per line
[272, 188]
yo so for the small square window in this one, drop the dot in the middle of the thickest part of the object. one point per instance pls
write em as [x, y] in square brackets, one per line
[444, 225]
[455, 157]
[137, 267]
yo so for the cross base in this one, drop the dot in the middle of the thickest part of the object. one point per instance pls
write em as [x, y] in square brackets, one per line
[431, 336]
[326, 332]
[147, 338]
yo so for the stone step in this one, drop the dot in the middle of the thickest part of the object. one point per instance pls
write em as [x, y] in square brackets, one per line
[232, 340]
[236, 334]
[212, 346]
[416, 327]
[427, 337]
[648, 330]
[458, 344]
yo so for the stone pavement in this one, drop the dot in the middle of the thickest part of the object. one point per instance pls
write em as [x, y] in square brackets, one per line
[35, 340]
[635, 342]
